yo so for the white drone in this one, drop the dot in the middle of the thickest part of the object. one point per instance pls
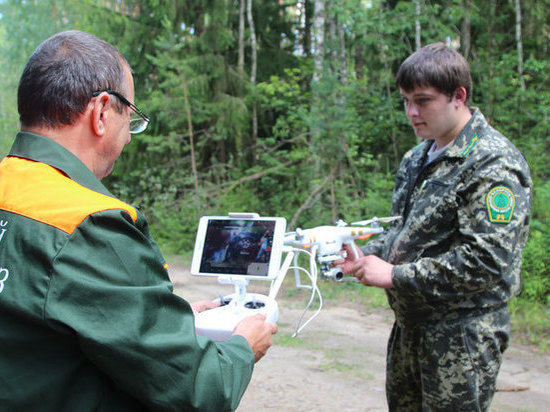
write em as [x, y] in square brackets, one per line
[324, 244]
[326, 241]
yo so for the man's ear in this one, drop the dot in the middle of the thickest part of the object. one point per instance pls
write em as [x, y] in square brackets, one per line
[102, 105]
[460, 95]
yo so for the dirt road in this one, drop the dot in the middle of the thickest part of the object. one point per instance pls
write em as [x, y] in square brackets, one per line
[337, 363]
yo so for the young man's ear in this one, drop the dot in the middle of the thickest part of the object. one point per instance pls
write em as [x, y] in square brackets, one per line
[460, 95]
[100, 113]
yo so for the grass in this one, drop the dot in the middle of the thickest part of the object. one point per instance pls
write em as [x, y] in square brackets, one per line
[338, 366]
[334, 365]
[353, 293]
[531, 323]
[286, 339]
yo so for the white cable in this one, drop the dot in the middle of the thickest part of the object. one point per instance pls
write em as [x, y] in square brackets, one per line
[313, 277]
[299, 325]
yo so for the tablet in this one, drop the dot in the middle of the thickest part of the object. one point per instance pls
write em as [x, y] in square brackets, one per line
[239, 247]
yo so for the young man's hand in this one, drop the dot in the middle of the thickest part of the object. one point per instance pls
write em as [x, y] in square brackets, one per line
[369, 270]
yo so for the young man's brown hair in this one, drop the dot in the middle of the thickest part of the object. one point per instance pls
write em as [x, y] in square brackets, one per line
[438, 66]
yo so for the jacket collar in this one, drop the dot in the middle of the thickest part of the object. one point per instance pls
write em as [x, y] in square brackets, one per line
[463, 143]
[42, 149]
[467, 138]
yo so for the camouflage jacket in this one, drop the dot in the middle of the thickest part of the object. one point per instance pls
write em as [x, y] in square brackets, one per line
[457, 250]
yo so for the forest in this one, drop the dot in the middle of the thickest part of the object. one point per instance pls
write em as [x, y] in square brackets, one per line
[289, 107]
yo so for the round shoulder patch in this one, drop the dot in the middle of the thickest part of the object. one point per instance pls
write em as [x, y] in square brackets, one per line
[500, 203]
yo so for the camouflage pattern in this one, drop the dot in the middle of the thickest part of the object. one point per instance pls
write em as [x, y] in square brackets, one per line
[446, 366]
[457, 250]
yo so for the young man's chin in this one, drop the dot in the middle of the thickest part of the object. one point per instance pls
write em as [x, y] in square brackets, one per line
[421, 136]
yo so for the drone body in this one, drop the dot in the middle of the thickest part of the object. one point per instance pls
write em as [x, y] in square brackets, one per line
[330, 239]
[327, 241]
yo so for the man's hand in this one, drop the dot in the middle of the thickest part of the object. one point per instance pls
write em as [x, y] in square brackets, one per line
[372, 271]
[369, 270]
[257, 332]
[203, 305]
[347, 263]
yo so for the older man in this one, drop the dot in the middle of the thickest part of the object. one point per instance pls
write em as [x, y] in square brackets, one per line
[88, 320]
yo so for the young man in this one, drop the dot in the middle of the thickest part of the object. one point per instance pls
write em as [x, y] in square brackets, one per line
[452, 263]
[88, 320]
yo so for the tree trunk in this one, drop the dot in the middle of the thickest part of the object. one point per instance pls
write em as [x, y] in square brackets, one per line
[387, 81]
[192, 146]
[390, 109]
[253, 68]
[342, 55]
[310, 200]
[339, 70]
[466, 30]
[307, 14]
[318, 63]
[319, 39]
[418, 38]
[490, 51]
[240, 61]
[519, 45]
[359, 56]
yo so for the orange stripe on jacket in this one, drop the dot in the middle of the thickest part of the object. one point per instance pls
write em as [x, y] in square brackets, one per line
[42, 193]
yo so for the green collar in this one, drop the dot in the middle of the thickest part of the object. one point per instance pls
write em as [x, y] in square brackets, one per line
[464, 143]
[467, 138]
[42, 149]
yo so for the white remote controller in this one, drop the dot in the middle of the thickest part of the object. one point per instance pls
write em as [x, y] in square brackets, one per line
[218, 323]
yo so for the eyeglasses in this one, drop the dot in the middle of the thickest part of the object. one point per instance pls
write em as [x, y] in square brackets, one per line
[137, 123]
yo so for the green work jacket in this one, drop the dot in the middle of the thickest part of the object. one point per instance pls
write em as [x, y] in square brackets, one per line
[88, 317]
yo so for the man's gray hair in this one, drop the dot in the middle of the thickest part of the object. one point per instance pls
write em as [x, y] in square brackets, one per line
[61, 75]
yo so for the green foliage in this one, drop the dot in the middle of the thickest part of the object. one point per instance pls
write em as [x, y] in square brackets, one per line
[536, 268]
[23, 25]
[536, 261]
[530, 323]
[325, 149]
[175, 227]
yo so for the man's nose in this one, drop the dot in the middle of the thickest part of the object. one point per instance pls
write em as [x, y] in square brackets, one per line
[411, 109]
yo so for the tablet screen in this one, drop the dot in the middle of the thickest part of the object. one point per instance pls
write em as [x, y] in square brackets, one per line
[248, 247]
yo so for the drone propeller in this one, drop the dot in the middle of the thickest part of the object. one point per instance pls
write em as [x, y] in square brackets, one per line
[340, 223]
[376, 220]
